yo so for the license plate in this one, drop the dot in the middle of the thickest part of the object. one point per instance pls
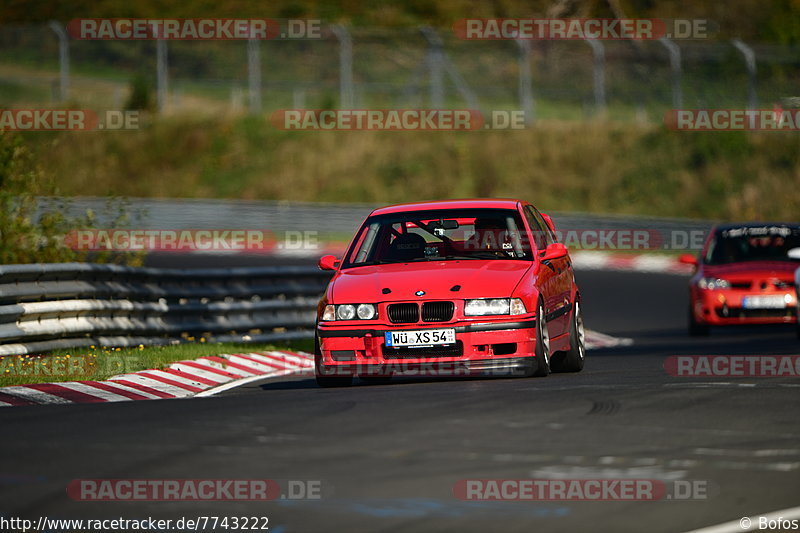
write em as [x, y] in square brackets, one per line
[420, 337]
[763, 302]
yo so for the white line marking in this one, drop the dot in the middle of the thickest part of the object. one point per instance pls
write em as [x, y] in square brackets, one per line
[736, 526]
[241, 382]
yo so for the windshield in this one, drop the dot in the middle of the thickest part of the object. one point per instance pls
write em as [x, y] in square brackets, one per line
[440, 235]
[753, 243]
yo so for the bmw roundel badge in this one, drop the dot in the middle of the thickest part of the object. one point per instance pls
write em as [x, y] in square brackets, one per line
[420, 293]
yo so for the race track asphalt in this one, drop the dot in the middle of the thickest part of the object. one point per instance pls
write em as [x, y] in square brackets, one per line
[388, 456]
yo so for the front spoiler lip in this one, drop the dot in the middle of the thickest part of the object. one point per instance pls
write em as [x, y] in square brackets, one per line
[469, 328]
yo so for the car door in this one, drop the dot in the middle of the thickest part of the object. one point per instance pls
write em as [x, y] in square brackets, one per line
[546, 278]
[559, 276]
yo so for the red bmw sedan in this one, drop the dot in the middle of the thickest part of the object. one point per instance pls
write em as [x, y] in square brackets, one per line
[449, 288]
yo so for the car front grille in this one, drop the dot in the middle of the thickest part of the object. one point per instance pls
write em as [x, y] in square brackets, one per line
[409, 313]
[437, 311]
[739, 312]
[403, 313]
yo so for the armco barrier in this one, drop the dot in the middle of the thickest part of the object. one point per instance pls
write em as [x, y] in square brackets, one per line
[65, 305]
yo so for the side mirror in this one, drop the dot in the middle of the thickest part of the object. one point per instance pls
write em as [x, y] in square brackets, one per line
[554, 251]
[549, 222]
[328, 262]
[794, 253]
[688, 259]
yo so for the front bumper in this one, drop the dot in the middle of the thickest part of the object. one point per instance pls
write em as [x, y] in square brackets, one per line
[726, 307]
[495, 347]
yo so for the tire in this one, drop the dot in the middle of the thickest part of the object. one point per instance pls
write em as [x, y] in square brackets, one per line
[542, 359]
[573, 359]
[324, 380]
[697, 329]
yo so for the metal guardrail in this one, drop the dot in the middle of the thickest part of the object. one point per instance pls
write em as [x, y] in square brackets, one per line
[51, 306]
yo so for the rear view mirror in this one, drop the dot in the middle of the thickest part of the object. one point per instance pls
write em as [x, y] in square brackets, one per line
[554, 251]
[328, 262]
[687, 259]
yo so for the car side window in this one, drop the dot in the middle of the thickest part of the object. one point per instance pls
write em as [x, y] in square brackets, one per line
[538, 227]
[550, 236]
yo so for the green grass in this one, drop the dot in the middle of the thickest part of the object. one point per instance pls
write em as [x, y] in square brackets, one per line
[597, 166]
[100, 363]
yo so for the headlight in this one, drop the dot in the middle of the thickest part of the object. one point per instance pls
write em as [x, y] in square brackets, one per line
[345, 312]
[713, 283]
[366, 311]
[350, 312]
[494, 306]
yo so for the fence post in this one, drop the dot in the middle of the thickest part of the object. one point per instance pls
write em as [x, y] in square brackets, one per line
[675, 66]
[345, 66]
[750, 63]
[434, 61]
[161, 74]
[254, 75]
[63, 58]
[525, 80]
[598, 74]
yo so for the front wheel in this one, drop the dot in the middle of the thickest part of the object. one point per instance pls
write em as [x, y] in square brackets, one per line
[572, 360]
[542, 359]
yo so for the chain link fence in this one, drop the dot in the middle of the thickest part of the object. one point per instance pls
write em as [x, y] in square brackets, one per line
[370, 68]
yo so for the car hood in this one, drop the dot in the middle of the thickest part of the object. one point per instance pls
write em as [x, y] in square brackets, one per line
[478, 279]
[783, 270]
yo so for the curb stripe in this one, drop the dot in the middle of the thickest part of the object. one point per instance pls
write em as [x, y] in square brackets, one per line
[101, 394]
[72, 396]
[160, 383]
[193, 379]
[200, 367]
[145, 388]
[227, 363]
[10, 400]
[155, 376]
[116, 389]
[33, 395]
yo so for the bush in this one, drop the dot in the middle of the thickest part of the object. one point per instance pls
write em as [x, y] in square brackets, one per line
[33, 226]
